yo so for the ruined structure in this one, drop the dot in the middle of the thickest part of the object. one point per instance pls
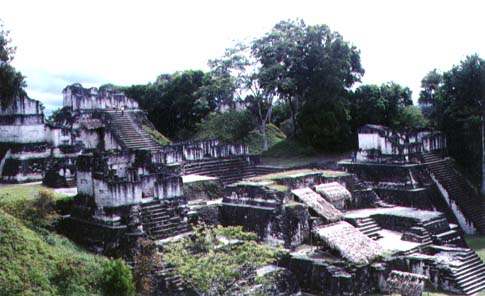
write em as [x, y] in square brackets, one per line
[24, 141]
[389, 220]
[411, 169]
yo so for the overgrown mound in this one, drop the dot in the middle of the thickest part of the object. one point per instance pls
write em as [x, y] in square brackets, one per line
[37, 261]
[219, 261]
[238, 127]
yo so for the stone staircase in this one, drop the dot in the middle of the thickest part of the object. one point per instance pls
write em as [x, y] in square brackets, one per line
[131, 135]
[161, 220]
[173, 281]
[418, 234]
[459, 190]
[470, 273]
[369, 227]
[228, 170]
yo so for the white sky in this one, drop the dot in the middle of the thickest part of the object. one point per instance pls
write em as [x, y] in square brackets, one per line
[129, 42]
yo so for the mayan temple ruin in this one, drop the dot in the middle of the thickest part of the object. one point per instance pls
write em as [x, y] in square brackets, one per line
[390, 219]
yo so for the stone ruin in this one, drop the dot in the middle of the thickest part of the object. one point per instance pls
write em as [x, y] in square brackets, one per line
[391, 219]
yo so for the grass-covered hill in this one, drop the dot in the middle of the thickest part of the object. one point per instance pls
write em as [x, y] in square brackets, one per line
[35, 260]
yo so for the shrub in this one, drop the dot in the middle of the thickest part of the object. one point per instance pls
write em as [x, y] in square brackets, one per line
[117, 279]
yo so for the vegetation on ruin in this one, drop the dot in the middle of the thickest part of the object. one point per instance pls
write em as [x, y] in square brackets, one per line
[34, 260]
[215, 260]
[238, 127]
[208, 188]
[156, 135]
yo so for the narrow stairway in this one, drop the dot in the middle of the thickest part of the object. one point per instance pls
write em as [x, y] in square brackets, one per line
[369, 227]
[131, 135]
[459, 191]
[470, 273]
[161, 220]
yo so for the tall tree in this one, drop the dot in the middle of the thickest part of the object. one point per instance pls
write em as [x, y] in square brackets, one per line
[306, 65]
[12, 82]
[430, 86]
[379, 104]
[458, 105]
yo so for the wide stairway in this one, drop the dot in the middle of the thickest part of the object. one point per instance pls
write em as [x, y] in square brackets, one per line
[131, 135]
[459, 190]
[469, 274]
[161, 220]
[228, 170]
[369, 227]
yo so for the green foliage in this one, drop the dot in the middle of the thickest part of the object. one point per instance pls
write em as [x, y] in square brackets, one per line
[410, 117]
[212, 266]
[161, 139]
[379, 104]
[230, 126]
[117, 279]
[454, 102]
[477, 243]
[12, 83]
[325, 126]
[179, 97]
[306, 65]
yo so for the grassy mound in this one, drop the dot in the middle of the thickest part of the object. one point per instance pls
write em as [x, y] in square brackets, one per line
[34, 264]
[290, 148]
[37, 261]
[255, 141]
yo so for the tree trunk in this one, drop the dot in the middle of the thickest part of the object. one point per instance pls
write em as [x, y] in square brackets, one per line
[265, 136]
[482, 130]
[293, 116]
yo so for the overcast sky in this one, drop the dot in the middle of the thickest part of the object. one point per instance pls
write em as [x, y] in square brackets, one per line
[130, 42]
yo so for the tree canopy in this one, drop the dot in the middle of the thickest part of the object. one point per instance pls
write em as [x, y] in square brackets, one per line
[11, 81]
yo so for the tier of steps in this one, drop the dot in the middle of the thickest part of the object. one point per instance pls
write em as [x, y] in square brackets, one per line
[131, 135]
[470, 273]
[228, 170]
[419, 234]
[369, 227]
[459, 190]
[173, 281]
[161, 220]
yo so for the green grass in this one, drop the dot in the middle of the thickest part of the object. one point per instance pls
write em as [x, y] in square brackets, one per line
[36, 261]
[478, 244]
[156, 135]
[255, 141]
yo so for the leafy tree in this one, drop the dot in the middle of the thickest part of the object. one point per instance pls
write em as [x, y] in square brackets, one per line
[410, 117]
[179, 97]
[430, 86]
[230, 126]
[379, 104]
[11, 82]
[306, 65]
[457, 104]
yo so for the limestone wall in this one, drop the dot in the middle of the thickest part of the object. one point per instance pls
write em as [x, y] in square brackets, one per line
[79, 98]
[23, 106]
